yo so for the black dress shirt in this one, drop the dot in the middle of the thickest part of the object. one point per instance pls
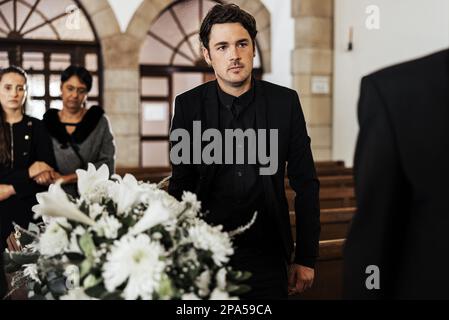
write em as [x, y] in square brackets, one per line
[237, 191]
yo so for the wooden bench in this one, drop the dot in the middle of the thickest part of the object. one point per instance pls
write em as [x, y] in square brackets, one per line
[329, 198]
[335, 223]
[331, 181]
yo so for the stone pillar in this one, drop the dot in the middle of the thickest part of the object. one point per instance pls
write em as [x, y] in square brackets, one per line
[121, 81]
[312, 63]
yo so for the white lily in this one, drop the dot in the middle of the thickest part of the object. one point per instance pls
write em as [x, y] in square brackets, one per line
[125, 193]
[55, 203]
[92, 181]
[156, 213]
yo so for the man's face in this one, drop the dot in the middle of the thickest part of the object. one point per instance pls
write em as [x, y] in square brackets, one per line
[231, 53]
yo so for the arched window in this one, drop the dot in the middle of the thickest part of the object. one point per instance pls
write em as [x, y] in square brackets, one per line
[171, 62]
[44, 37]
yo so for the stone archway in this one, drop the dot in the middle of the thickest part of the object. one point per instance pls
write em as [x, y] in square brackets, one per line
[150, 9]
[121, 64]
[126, 118]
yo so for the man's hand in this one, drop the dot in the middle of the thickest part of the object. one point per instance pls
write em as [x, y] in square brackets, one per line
[300, 278]
[37, 168]
[6, 191]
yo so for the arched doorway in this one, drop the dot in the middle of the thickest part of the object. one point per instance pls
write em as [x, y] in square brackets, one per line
[44, 37]
[171, 63]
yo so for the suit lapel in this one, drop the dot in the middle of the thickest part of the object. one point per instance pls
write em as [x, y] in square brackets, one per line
[262, 123]
[210, 111]
[210, 106]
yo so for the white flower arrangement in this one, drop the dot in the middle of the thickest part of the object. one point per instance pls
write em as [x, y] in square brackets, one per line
[124, 239]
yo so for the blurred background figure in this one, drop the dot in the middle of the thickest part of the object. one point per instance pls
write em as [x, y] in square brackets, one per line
[401, 172]
[25, 155]
[79, 135]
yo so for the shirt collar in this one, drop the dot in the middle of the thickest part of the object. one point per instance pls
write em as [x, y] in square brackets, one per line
[242, 101]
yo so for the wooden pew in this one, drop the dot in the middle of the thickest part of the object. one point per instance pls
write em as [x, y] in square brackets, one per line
[330, 164]
[334, 223]
[322, 172]
[331, 181]
[329, 198]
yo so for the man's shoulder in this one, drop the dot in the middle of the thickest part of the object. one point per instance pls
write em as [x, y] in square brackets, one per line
[275, 89]
[412, 70]
[196, 93]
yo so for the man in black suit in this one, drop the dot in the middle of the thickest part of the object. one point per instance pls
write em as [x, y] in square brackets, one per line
[398, 245]
[231, 193]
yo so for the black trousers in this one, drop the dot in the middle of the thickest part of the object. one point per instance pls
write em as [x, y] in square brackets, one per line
[269, 273]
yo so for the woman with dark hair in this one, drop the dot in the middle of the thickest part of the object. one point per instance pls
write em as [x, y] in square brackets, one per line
[79, 135]
[26, 156]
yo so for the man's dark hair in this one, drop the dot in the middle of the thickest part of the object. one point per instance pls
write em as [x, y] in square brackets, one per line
[227, 13]
[82, 74]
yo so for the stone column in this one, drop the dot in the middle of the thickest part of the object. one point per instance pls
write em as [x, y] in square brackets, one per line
[122, 96]
[120, 82]
[312, 63]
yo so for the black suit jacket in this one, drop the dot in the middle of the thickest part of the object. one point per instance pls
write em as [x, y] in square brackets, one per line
[276, 108]
[402, 183]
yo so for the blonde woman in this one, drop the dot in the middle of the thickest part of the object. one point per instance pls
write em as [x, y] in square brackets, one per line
[26, 155]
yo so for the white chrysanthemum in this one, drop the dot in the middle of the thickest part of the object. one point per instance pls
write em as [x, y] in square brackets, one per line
[54, 240]
[55, 203]
[74, 235]
[206, 237]
[107, 227]
[30, 271]
[136, 261]
[92, 184]
[95, 210]
[218, 294]
[190, 200]
[203, 282]
[76, 294]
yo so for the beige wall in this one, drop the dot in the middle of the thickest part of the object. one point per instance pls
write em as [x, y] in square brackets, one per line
[312, 58]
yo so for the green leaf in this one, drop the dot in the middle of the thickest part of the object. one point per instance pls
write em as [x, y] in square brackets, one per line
[91, 281]
[85, 267]
[87, 245]
[239, 290]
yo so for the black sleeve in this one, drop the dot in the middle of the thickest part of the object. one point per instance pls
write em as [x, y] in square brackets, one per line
[184, 177]
[378, 187]
[42, 150]
[303, 180]
[106, 154]
[18, 178]
[43, 146]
